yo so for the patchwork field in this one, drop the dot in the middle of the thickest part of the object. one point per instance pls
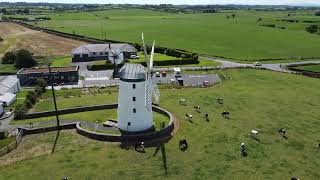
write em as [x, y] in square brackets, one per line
[242, 38]
[41, 44]
[261, 100]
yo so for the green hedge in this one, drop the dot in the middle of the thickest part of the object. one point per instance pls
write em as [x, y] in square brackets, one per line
[99, 67]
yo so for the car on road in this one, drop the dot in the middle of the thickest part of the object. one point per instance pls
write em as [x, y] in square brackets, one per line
[257, 64]
[205, 83]
[133, 56]
[157, 74]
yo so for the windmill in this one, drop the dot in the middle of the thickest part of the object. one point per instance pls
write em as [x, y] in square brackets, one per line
[151, 84]
[136, 89]
[116, 57]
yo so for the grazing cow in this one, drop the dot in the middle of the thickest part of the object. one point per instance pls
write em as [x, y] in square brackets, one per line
[225, 114]
[139, 147]
[206, 116]
[282, 132]
[196, 108]
[182, 101]
[242, 148]
[183, 145]
[189, 116]
[253, 133]
[220, 100]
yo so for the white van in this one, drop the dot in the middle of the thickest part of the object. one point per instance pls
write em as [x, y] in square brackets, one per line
[177, 72]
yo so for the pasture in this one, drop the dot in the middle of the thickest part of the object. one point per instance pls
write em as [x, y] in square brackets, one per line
[313, 68]
[256, 99]
[242, 38]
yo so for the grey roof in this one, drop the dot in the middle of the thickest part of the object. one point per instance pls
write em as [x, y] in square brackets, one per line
[6, 83]
[132, 72]
[87, 48]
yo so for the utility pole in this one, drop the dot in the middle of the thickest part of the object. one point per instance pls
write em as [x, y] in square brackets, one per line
[54, 97]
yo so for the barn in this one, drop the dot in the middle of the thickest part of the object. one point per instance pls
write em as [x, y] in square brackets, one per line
[61, 75]
[92, 52]
[9, 86]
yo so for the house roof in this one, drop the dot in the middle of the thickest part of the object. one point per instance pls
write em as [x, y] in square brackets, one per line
[46, 70]
[89, 48]
[7, 83]
[132, 72]
[7, 98]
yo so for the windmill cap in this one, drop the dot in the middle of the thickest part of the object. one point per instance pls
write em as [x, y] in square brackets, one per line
[132, 73]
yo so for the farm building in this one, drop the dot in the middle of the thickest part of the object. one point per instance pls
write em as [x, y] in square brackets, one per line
[61, 75]
[9, 86]
[92, 52]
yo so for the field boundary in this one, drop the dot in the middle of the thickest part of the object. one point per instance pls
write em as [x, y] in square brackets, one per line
[12, 145]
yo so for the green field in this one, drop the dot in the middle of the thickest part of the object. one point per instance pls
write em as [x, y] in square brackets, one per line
[257, 99]
[313, 68]
[241, 38]
[6, 141]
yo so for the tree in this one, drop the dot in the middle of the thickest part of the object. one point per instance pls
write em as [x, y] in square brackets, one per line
[259, 19]
[9, 58]
[24, 59]
[20, 110]
[312, 28]
[317, 13]
[233, 16]
[32, 97]
[42, 83]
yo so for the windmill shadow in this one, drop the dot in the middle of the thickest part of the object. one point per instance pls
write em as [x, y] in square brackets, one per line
[163, 152]
[55, 141]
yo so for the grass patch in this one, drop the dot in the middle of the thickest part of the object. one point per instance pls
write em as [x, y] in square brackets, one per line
[241, 38]
[313, 68]
[61, 62]
[256, 99]
[7, 141]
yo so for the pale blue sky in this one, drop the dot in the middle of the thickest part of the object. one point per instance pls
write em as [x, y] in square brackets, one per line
[250, 2]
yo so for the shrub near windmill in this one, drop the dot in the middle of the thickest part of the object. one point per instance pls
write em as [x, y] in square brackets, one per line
[136, 89]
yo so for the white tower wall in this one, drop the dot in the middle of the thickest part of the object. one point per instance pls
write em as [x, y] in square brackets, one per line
[128, 120]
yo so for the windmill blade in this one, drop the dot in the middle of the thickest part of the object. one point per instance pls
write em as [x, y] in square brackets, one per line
[155, 92]
[151, 58]
[148, 93]
[145, 50]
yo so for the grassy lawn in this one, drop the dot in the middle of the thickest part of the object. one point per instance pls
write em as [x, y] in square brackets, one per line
[313, 68]
[7, 69]
[61, 62]
[242, 38]
[7, 141]
[257, 99]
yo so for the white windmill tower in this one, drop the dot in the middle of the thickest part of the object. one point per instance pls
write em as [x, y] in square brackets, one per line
[135, 96]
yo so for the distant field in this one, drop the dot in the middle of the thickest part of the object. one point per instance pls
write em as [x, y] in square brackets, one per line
[241, 38]
[313, 68]
[256, 99]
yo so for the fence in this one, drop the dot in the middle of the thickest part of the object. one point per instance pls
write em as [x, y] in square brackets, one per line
[12, 145]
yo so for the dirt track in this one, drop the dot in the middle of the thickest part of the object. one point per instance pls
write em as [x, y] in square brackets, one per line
[40, 43]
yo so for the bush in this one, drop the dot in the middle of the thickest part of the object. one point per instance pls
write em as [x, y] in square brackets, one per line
[32, 97]
[20, 110]
[9, 58]
[317, 13]
[1, 39]
[312, 28]
[28, 103]
[42, 83]
[24, 59]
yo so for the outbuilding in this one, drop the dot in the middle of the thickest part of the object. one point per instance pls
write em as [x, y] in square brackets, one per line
[61, 75]
[92, 52]
[9, 86]
[1, 109]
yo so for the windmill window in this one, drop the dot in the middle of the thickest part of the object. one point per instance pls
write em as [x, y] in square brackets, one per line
[133, 98]
[134, 110]
[129, 123]
[133, 86]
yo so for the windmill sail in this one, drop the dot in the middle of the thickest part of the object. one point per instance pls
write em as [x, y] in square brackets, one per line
[148, 99]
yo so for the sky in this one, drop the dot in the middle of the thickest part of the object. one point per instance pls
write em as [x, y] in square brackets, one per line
[244, 2]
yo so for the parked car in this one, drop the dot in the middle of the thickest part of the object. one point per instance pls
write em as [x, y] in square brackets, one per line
[133, 56]
[257, 64]
[205, 83]
[164, 74]
[157, 74]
